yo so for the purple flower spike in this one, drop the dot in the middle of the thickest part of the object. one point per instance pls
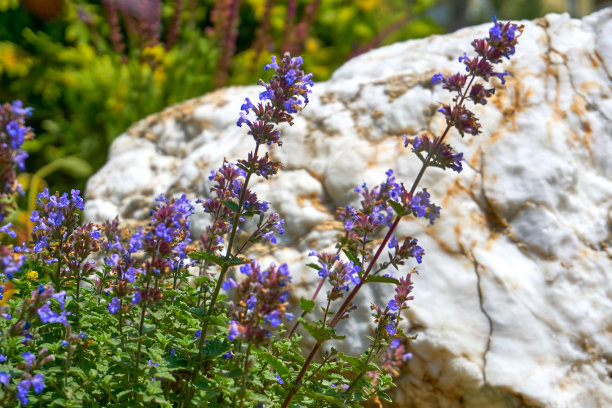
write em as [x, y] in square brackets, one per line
[501, 42]
[285, 93]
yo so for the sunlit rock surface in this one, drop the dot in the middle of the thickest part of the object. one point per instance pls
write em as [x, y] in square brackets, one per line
[513, 301]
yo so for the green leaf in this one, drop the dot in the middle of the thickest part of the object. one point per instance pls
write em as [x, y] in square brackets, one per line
[165, 375]
[276, 364]
[397, 207]
[351, 257]
[198, 311]
[355, 362]
[231, 205]
[307, 305]
[158, 314]
[219, 260]
[214, 348]
[79, 372]
[72, 165]
[314, 266]
[384, 396]
[326, 398]
[382, 279]
[320, 333]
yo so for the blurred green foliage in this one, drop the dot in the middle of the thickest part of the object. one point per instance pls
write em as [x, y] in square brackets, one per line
[88, 78]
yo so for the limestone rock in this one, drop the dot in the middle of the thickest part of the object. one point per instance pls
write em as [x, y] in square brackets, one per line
[513, 301]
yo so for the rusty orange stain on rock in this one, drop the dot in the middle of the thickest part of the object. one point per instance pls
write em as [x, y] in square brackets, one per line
[313, 197]
[454, 189]
[579, 108]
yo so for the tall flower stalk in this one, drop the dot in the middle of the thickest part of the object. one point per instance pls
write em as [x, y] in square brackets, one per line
[435, 153]
[285, 94]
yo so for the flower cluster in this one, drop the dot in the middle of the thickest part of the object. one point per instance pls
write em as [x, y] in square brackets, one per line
[441, 154]
[285, 92]
[38, 305]
[28, 379]
[500, 43]
[260, 302]
[392, 360]
[118, 246]
[57, 216]
[60, 240]
[228, 180]
[389, 317]
[165, 241]
[232, 202]
[375, 212]
[167, 237]
[82, 242]
[228, 190]
[339, 274]
[421, 206]
[10, 262]
[13, 133]
[408, 249]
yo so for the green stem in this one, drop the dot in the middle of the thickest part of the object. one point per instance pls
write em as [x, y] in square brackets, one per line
[140, 330]
[224, 269]
[296, 384]
[230, 243]
[244, 375]
[121, 323]
[370, 354]
[78, 290]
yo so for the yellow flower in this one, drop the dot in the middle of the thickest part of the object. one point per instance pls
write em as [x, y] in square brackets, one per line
[32, 276]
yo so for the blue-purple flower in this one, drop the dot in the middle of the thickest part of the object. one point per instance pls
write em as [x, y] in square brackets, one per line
[114, 305]
[38, 383]
[260, 302]
[5, 378]
[23, 388]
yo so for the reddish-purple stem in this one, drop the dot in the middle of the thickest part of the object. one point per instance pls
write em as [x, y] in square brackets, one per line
[175, 27]
[304, 26]
[228, 45]
[380, 37]
[261, 38]
[289, 20]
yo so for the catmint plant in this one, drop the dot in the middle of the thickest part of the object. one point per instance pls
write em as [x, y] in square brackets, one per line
[500, 43]
[286, 93]
[101, 315]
